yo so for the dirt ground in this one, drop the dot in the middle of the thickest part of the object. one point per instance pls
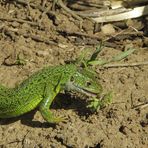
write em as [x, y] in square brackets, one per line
[35, 39]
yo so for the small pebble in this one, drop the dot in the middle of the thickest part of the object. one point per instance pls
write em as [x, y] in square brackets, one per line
[108, 29]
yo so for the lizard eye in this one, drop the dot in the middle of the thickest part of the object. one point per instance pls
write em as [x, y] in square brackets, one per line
[72, 79]
[88, 84]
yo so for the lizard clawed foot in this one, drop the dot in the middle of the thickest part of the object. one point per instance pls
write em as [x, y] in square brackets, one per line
[50, 118]
[58, 119]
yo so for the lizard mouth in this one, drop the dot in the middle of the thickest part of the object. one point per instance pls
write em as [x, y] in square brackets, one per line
[74, 88]
[84, 91]
[87, 92]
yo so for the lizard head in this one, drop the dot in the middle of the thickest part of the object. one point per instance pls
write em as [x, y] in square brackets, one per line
[85, 82]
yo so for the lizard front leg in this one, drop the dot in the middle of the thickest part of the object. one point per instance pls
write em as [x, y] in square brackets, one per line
[49, 95]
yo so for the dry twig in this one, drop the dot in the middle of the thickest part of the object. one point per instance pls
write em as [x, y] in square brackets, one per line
[131, 13]
[61, 4]
[141, 106]
[18, 20]
[126, 65]
[38, 38]
[41, 8]
[100, 36]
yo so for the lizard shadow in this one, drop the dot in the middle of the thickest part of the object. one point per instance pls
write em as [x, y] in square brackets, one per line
[27, 119]
[77, 104]
[62, 101]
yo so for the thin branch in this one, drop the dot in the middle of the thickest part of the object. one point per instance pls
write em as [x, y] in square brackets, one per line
[38, 38]
[41, 8]
[100, 12]
[132, 13]
[141, 106]
[18, 20]
[99, 36]
[126, 65]
[60, 3]
[71, 33]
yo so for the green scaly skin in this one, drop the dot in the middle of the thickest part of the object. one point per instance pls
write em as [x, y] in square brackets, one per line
[42, 87]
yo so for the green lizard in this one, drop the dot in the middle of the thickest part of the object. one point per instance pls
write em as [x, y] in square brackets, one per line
[42, 87]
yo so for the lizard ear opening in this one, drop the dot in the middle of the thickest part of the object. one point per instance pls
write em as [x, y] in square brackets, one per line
[88, 83]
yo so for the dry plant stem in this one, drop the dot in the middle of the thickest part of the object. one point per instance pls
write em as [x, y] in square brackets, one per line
[61, 4]
[24, 2]
[53, 5]
[123, 32]
[81, 34]
[44, 3]
[126, 65]
[38, 38]
[132, 13]
[98, 4]
[28, 5]
[100, 13]
[144, 106]
[84, 6]
[32, 5]
[141, 106]
[43, 14]
[41, 8]
[100, 36]
[18, 20]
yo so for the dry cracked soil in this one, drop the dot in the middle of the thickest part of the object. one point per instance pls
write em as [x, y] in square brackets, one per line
[31, 39]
